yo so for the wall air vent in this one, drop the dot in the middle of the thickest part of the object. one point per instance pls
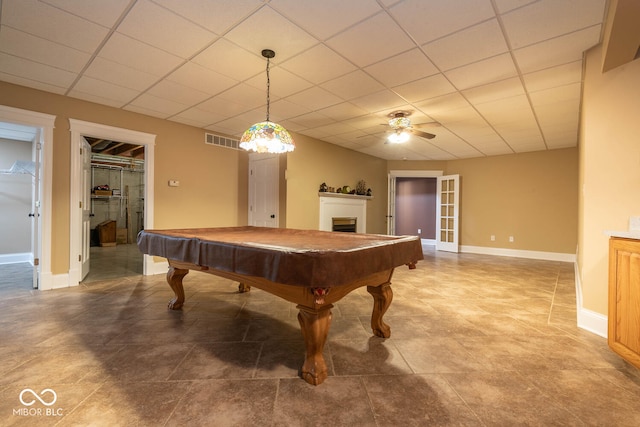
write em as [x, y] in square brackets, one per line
[212, 139]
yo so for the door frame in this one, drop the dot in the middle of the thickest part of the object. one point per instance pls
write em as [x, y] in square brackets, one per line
[393, 174]
[79, 129]
[44, 123]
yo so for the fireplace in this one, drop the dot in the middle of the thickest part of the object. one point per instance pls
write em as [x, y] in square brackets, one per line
[350, 211]
[344, 224]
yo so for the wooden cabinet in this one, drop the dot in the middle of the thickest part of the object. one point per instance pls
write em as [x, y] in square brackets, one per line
[624, 298]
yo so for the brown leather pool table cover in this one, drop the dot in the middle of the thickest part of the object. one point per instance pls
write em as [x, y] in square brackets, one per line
[288, 256]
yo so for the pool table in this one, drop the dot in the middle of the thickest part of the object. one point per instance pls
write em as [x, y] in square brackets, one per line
[313, 269]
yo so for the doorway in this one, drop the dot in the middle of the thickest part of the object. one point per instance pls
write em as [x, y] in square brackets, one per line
[97, 178]
[416, 208]
[33, 250]
[114, 214]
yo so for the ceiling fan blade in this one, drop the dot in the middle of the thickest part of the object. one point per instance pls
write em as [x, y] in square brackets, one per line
[421, 134]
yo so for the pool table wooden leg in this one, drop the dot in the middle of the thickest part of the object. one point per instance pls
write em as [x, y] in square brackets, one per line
[315, 325]
[382, 296]
[174, 278]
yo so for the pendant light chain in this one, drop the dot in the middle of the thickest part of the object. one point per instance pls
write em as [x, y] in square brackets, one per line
[268, 89]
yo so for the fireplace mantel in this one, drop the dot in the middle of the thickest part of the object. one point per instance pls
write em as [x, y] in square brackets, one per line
[349, 196]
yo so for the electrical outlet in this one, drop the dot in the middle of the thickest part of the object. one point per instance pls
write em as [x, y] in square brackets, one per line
[493, 237]
[511, 239]
[419, 230]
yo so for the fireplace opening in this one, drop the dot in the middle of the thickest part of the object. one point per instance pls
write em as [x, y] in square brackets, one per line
[344, 224]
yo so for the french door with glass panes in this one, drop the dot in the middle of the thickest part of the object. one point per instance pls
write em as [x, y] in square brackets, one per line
[447, 227]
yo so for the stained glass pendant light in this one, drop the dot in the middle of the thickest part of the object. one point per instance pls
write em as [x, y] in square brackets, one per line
[267, 137]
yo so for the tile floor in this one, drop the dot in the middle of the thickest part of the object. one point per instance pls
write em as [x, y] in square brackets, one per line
[476, 341]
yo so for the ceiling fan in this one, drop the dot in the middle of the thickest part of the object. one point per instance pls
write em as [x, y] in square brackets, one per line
[401, 125]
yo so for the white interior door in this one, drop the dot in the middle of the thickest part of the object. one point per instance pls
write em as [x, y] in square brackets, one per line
[263, 190]
[36, 228]
[391, 212]
[447, 213]
[85, 203]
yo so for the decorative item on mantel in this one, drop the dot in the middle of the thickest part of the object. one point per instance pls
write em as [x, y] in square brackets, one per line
[345, 189]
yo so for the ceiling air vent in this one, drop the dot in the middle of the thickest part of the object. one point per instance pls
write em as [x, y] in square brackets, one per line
[212, 139]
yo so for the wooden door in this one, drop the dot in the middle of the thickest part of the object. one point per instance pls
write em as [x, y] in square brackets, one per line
[263, 190]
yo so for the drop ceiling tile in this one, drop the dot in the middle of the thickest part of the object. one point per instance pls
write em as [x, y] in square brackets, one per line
[507, 5]
[565, 113]
[496, 147]
[372, 40]
[343, 111]
[30, 70]
[53, 24]
[91, 97]
[472, 44]
[311, 120]
[161, 107]
[117, 95]
[429, 20]
[267, 29]
[20, 80]
[204, 79]
[318, 64]
[246, 95]
[379, 101]
[558, 51]
[352, 85]
[105, 13]
[402, 68]
[326, 18]
[429, 87]
[553, 77]
[548, 19]
[118, 74]
[283, 83]
[223, 57]
[37, 49]
[135, 54]
[440, 104]
[283, 109]
[222, 108]
[158, 27]
[197, 117]
[557, 94]
[502, 89]
[315, 98]
[146, 111]
[510, 111]
[483, 72]
[215, 16]
[168, 89]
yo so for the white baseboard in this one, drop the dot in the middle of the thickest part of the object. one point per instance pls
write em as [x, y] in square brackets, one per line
[516, 253]
[16, 258]
[589, 320]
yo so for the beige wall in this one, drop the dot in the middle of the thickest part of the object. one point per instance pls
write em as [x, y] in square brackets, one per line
[213, 180]
[314, 162]
[609, 168]
[15, 199]
[530, 196]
